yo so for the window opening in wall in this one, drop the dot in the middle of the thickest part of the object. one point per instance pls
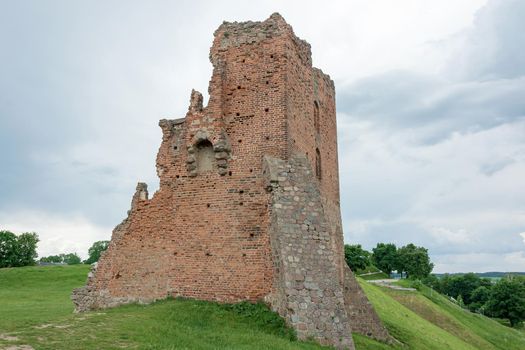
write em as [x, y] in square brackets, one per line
[205, 156]
[318, 170]
[316, 116]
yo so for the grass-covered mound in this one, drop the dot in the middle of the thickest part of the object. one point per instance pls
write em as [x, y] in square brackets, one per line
[35, 310]
[371, 273]
[427, 320]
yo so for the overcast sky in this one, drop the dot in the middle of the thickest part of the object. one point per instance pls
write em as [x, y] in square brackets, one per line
[430, 102]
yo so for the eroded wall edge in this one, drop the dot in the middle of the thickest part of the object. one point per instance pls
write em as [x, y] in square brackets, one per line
[363, 317]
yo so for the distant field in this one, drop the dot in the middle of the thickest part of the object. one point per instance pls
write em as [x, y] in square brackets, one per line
[35, 310]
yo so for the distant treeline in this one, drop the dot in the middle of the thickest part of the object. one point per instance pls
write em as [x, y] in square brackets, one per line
[502, 299]
[20, 250]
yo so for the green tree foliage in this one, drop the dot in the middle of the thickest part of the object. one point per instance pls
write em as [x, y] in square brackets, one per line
[356, 257]
[478, 299]
[27, 243]
[384, 257]
[8, 249]
[414, 261]
[433, 282]
[507, 300]
[463, 285]
[71, 259]
[95, 251]
[52, 259]
[17, 250]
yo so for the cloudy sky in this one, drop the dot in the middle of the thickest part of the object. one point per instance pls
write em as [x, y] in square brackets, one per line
[430, 99]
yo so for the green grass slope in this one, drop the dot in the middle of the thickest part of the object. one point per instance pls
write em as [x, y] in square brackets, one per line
[35, 310]
[427, 320]
[371, 273]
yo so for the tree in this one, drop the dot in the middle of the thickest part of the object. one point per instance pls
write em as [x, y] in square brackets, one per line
[71, 259]
[8, 249]
[17, 251]
[507, 300]
[463, 285]
[478, 299]
[433, 282]
[27, 243]
[95, 251]
[52, 259]
[356, 257]
[414, 261]
[384, 257]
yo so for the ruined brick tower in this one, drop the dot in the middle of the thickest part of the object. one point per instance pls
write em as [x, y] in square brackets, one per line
[248, 205]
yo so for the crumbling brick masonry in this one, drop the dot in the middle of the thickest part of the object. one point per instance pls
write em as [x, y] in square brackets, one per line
[248, 205]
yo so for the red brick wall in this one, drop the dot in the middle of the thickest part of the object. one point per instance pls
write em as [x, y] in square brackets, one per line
[206, 235]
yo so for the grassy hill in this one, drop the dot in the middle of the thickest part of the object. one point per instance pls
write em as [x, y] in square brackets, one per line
[35, 310]
[371, 273]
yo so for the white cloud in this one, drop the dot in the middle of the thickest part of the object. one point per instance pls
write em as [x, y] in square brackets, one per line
[437, 157]
[509, 262]
[443, 235]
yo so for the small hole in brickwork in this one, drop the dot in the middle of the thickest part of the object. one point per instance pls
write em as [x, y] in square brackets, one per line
[238, 87]
[175, 253]
[243, 254]
[208, 254]
[237, 114]
[230, 173]
[240, 141]
[251, 170]
[271, 56]
[267, 138]
[251, 235]
[243, 61]
[267, 82]
[241, 203]
[208, 205]
[175, 148]
[241, 191]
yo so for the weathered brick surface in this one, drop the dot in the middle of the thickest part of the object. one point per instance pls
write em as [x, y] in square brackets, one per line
[222, 226]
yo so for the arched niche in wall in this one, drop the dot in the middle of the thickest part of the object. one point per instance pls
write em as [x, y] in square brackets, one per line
[205, 156]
